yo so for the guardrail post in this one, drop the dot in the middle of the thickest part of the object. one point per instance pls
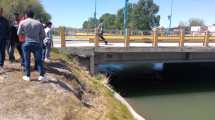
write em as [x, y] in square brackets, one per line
[127, 39]
[96, 40]
[155, 39]
[206, 39]
[62, 35]
[181, 43]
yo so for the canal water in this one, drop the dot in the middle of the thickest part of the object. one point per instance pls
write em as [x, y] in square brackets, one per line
[181, 91]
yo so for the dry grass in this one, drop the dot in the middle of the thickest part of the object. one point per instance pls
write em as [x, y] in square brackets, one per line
[71, 94]
[105, 105]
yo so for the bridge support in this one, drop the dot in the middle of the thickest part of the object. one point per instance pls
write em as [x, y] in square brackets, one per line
[155, 39]
[92, 64]
[206, 39]
[62, 35]
[96, 40]
[127, 39]
[181, 43]
[90, 58]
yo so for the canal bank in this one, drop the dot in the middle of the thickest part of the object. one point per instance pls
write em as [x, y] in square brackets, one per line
[100, 101]
[177, 91]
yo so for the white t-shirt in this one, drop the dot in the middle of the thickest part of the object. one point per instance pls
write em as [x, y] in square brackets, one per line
[48, 37]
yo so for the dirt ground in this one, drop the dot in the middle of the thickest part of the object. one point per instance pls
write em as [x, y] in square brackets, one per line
[70, 94]
[52, 100]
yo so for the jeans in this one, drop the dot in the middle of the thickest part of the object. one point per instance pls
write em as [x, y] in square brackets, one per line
[2, 51]
[19, 48]
[28, 48]
[47, 50]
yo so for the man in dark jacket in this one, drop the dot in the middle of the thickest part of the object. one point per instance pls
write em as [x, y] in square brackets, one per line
[4, 30]
[14, 40]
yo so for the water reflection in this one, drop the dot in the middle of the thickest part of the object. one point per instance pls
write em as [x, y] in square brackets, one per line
[168, 91]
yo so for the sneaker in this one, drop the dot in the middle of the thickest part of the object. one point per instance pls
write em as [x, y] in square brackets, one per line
[106, 42]
[26, 78]
[47, 60]
[42, 78]
[1, 69]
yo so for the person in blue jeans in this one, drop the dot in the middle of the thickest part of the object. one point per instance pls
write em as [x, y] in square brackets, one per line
[34, 35]
[4, 32]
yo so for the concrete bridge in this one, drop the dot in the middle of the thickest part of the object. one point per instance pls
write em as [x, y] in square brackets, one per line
[138, 49]
[91, 57]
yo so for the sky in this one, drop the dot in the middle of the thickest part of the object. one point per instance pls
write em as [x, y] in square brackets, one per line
[73, 13]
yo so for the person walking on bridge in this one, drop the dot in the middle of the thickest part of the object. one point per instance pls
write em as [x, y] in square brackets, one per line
[4, 32]
[34, 35]
[100, 33]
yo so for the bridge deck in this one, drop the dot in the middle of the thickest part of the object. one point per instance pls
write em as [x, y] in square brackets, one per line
[92, 56]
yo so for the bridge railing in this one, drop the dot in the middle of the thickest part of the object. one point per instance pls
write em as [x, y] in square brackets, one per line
[153, 37]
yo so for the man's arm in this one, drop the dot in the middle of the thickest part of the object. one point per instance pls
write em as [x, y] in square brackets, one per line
[20, 29]
[42, 33]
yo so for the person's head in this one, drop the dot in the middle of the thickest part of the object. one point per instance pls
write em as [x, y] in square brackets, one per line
[29, 14]
[49, 24]
[1, 11]
[16, 15]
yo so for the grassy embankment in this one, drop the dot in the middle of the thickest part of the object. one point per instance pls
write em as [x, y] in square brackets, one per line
[104, 105]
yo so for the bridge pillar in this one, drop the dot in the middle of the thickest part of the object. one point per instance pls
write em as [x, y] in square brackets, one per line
[96, 39]
[155, 39]
[206, 39]
[62, 35]
[181, 43]
[92, 64]
[127, 39]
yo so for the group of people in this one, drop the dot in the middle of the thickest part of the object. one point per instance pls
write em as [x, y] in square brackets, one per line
[27, 35]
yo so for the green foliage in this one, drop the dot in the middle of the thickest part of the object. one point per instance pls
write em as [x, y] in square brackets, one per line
[182, 24]
[141, 16]
[196, 22]
[90, 23]
[21, 6]
[109, 21]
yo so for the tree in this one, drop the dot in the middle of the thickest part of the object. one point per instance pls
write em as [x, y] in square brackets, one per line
[90, 23]
[109, 21]
[141, 16]
[196, 22]
[182, 24]
[21, 6]
[145, 15]
[131, 18]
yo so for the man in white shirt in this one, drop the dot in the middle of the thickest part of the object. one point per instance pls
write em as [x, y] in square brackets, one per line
[48, 42]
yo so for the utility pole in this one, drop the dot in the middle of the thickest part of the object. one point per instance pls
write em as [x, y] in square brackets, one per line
[125, 18]
[170, 17]
[95, 14]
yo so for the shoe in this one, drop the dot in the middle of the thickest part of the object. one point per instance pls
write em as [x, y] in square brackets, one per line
[1, 69]
[47, 60]
[42, 78]
[106, 42]
[26, 78]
